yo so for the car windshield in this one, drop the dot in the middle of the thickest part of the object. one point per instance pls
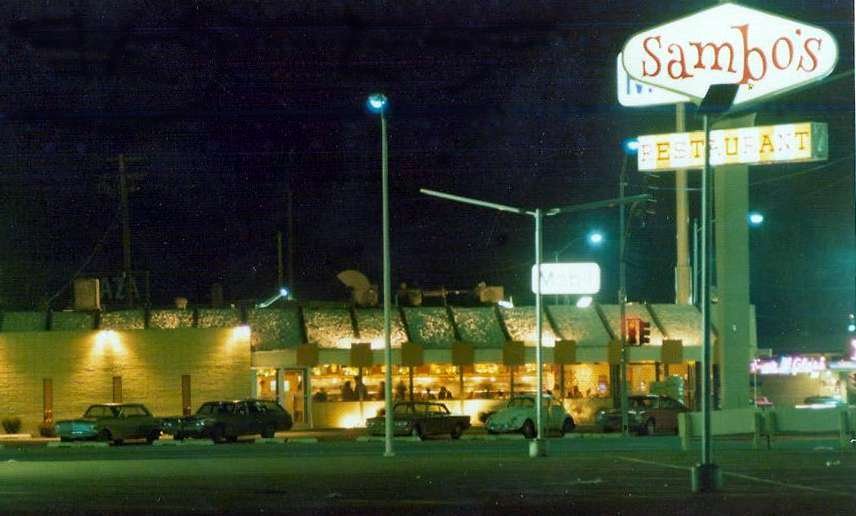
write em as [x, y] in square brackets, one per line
[521, 403]
[404, 408]
[644, 403]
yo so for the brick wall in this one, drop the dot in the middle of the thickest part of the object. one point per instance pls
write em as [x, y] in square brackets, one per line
[82, 365]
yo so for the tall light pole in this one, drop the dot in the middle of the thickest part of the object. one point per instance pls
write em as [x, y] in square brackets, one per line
[630, 148]
[706, 476]
[377, 102]
[537, 447]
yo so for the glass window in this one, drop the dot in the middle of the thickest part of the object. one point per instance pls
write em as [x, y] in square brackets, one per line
[256, 408]
[132, 410]
[403, 408]
[270, 406]
[96, 411]
[206, 409]
[226, 408]
[522, 403]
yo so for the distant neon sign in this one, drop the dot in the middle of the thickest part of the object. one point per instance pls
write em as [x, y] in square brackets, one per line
[788, 365]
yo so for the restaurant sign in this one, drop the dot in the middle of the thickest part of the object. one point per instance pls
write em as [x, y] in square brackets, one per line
[764, 53]
[807, 141]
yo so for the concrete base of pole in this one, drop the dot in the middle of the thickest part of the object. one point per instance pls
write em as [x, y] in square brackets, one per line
[706, 478]
[388, 454]
[538, 448]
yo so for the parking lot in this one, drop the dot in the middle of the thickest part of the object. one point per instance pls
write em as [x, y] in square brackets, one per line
[591, 474]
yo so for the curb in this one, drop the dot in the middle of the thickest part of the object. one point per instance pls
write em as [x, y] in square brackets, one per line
[188, 442]
[302, 440]
[478, 437]
[84, 444]
[593, 436]
[379, 439]
[15, 437]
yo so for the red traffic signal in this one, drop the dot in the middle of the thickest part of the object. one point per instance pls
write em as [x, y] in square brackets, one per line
[632, 331]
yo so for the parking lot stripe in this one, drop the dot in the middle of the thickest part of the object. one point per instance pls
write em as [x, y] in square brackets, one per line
[740, 475]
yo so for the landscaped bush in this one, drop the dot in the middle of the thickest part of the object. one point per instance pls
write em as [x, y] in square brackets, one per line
[46, 429]
[12, 424]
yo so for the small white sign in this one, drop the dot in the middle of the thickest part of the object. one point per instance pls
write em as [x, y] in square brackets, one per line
[567, 278]
[765, 54]
[636, 94]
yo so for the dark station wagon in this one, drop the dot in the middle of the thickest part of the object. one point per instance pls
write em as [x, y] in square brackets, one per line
[227, 420]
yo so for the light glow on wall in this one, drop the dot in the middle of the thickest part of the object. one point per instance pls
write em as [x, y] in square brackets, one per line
[108, 341]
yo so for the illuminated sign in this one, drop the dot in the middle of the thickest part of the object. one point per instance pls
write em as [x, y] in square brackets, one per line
[567, 278]
[788, 365]
[636, 94]
[764, 53]
[807, 141]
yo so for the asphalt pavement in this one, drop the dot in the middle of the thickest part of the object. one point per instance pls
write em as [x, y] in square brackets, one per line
[582, 474]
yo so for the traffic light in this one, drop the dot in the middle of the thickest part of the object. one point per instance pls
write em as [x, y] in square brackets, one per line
[632, 331]
[644, 332]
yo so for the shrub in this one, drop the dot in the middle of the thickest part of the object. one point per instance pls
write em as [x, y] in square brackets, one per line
[11, 424]
[46, 429]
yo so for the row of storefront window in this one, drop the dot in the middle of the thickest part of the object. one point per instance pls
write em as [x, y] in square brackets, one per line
[332, 382]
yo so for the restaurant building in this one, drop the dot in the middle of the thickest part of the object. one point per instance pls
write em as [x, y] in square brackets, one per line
[324, 362]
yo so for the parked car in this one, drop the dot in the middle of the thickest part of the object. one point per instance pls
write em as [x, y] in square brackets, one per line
[420, 418]
[647, 415]
[227, 420]
[821, 402]
[111, 422]
[518, 415]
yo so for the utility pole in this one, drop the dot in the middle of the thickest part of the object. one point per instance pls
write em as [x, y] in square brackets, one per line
[291, 287]
[126, 231]
[279, 276]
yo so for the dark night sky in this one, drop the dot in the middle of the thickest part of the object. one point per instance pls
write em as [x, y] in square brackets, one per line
[225, 106]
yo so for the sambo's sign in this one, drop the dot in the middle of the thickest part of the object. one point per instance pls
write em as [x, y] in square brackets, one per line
[729, 43]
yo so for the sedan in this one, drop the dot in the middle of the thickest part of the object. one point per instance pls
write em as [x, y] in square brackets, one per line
[111, 422]
[420, 419]
[646, 415]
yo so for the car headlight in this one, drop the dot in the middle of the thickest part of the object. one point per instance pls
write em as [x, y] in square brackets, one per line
[401, 424]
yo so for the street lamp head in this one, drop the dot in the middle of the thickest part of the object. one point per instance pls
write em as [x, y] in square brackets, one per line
[595, 238]
[630, 146]
[755, 218]
[377, 102]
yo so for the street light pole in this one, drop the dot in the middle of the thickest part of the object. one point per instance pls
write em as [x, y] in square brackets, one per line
[377, 102]
[622, 300]
[538, 448]
[706, 476]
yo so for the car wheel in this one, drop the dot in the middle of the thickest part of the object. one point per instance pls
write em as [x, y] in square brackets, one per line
[232, 438]
[417, 432]
[567, 426]
[650, 427]
[104, 435]
[178, 436]
[153, 436]
[65, 439]
[217, 434]
[529, 429]
[269, 431]
[118, 442]
[457, 431]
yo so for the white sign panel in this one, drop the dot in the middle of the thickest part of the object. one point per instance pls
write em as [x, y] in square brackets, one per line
[567, 278]
[806, 141]
[636, 94]
[764, 53]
